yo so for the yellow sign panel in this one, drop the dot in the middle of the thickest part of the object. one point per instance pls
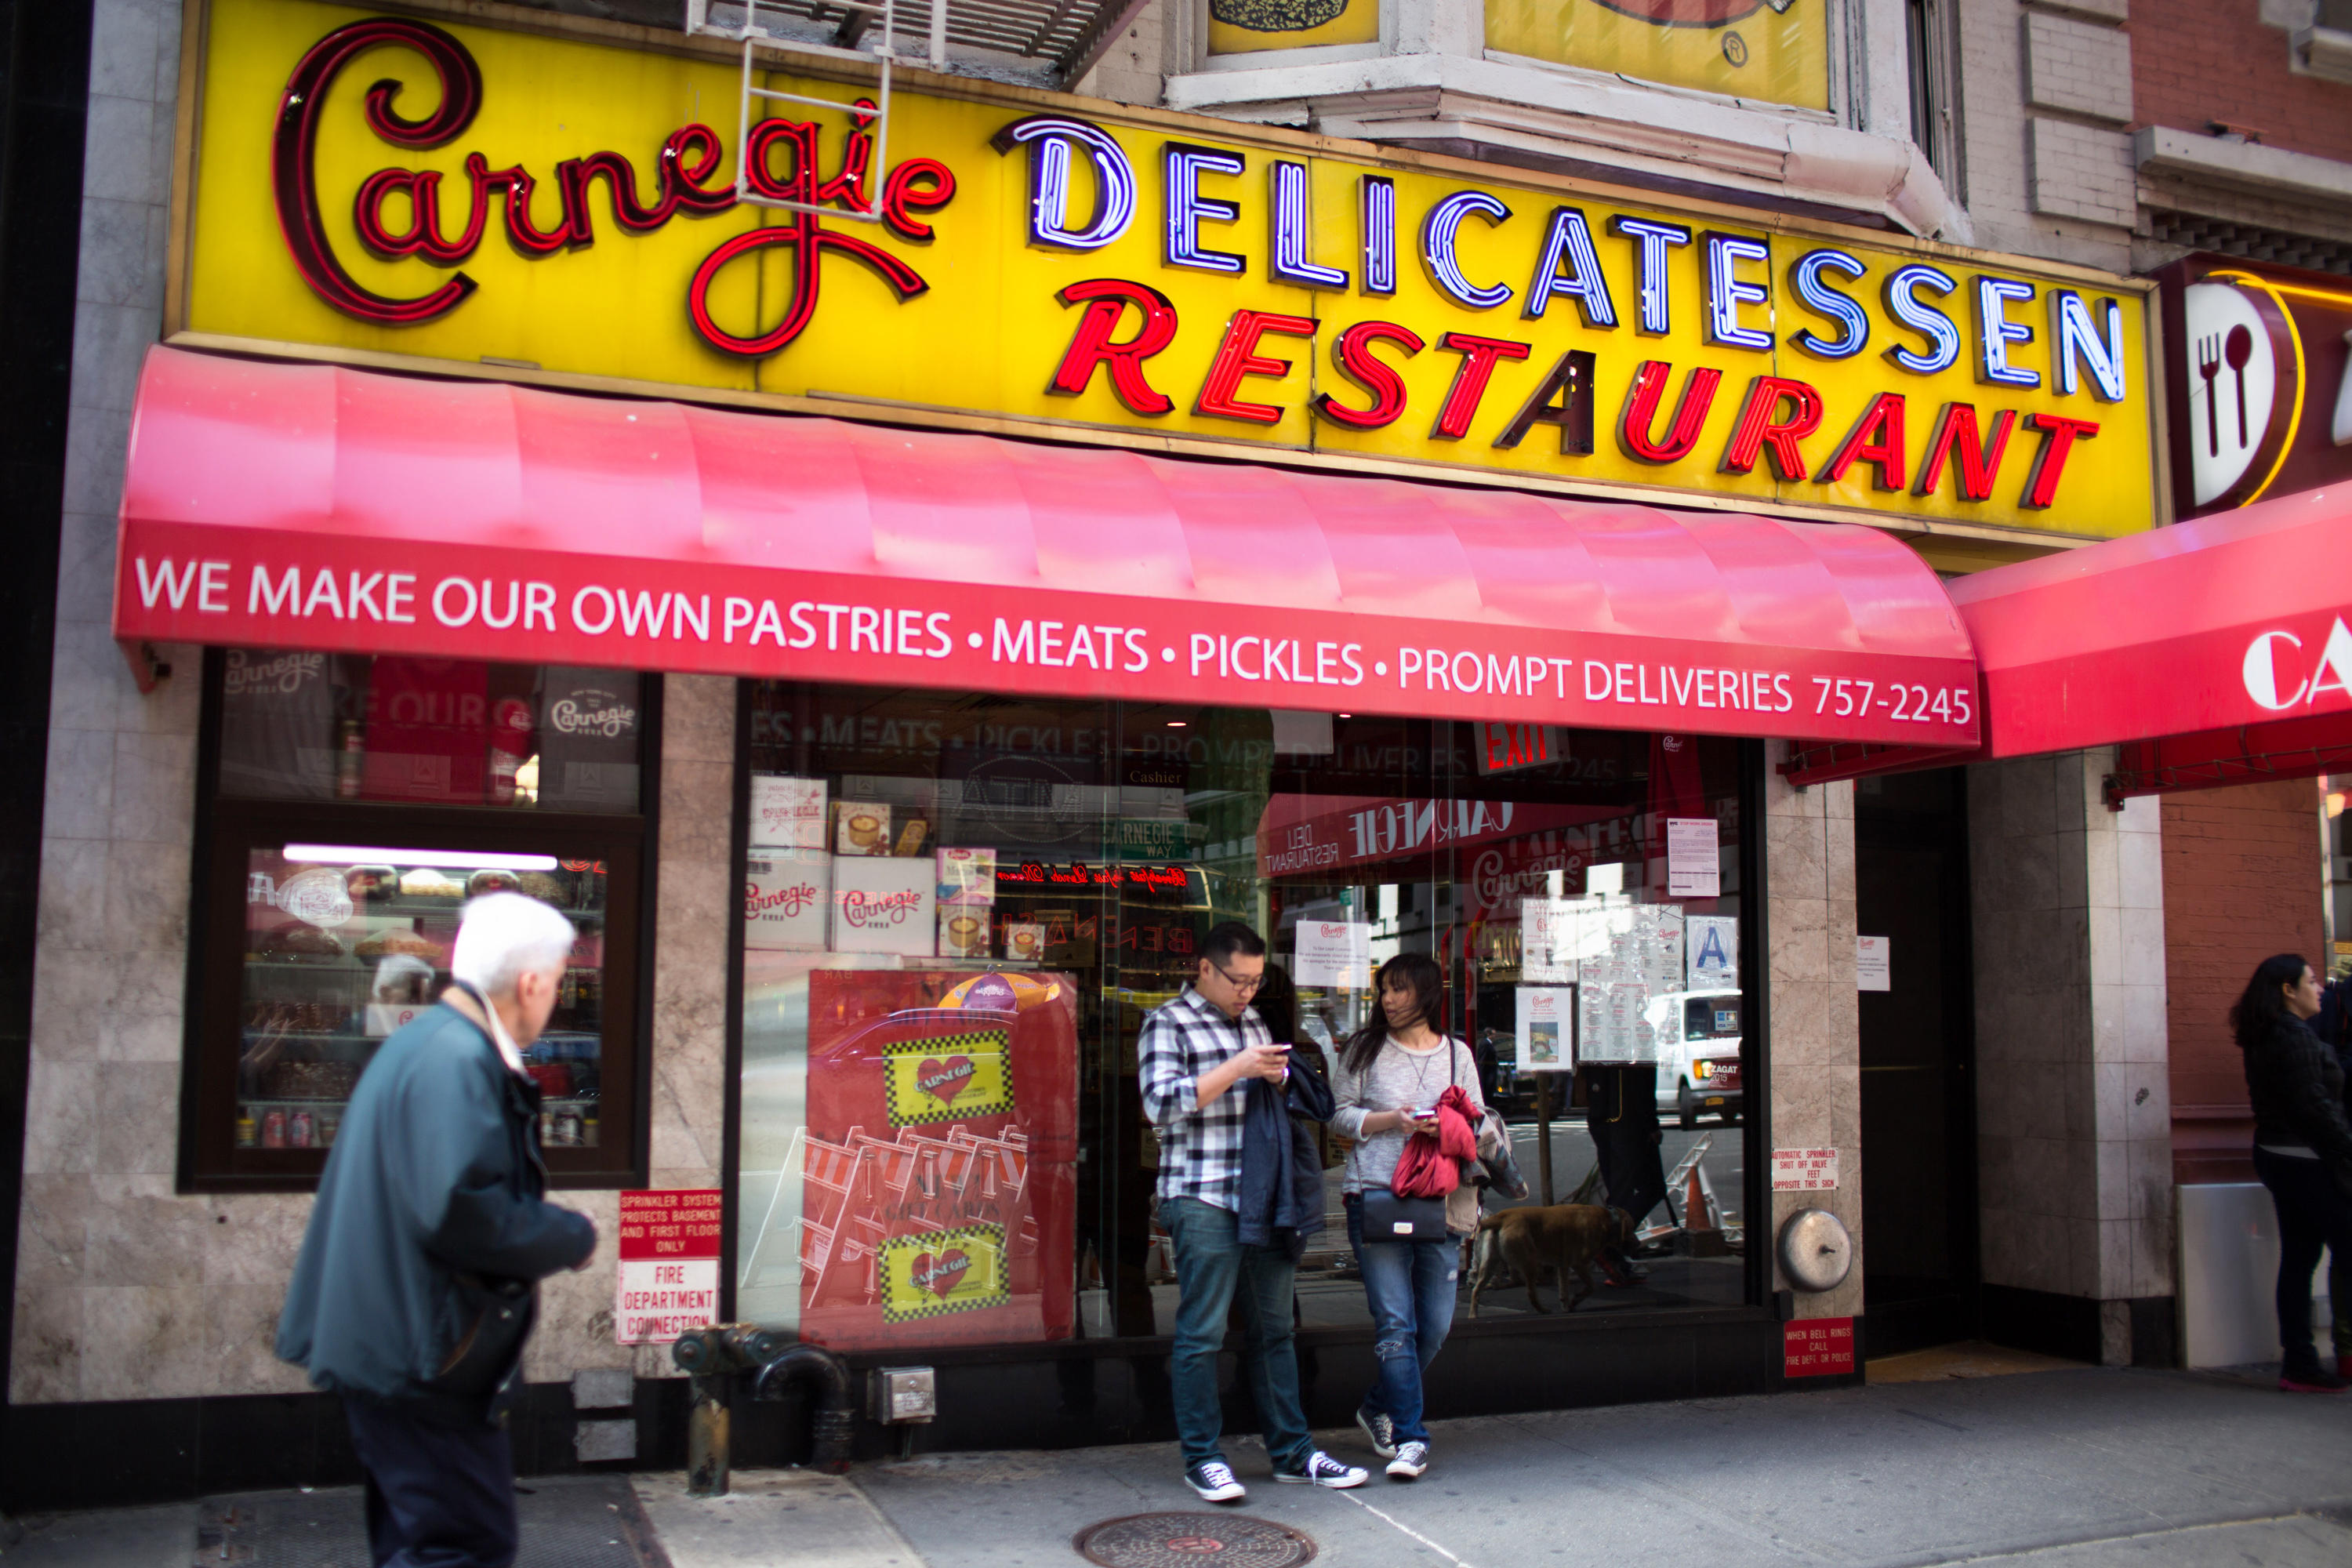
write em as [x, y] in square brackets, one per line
[1773, 50]
[456, 193]
[1248, 27]
[943, 1272]
[948, 1079]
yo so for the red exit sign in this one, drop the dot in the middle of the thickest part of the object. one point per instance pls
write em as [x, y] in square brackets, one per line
[1817, 1347]
[1506, 748]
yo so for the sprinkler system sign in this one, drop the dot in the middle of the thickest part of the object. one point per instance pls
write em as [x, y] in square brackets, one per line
[670, 1265]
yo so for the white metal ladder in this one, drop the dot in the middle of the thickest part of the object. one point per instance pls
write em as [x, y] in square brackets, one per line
[749, 34]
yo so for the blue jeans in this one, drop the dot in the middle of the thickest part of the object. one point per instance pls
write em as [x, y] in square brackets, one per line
[1212, 1266]
[1410, 1287]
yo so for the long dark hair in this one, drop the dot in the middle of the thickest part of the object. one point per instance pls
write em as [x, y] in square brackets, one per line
[1415, 969]
[2264, 1005]
[1278, 1005]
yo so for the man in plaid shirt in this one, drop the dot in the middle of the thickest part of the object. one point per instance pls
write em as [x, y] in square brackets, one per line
[1196, 1052]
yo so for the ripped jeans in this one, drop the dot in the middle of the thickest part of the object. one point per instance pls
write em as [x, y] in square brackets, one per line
[1409, 1285]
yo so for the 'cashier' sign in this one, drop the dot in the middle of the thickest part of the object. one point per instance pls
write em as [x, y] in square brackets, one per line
[670, 1265]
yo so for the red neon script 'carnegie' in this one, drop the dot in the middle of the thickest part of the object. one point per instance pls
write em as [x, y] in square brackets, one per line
[293, 156]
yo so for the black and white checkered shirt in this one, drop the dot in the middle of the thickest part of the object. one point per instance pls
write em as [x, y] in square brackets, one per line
[1200, 1145]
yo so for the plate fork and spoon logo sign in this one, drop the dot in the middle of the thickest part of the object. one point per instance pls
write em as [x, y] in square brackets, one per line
[2237, 346]
[2237, 390]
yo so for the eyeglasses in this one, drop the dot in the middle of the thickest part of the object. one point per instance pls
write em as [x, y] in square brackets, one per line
[1245, 983]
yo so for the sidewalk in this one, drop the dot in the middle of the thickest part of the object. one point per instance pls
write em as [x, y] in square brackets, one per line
[2077, 1469]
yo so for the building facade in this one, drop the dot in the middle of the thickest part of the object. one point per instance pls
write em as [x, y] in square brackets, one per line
[248, 824]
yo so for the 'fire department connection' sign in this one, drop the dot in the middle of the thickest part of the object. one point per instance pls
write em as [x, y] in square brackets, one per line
[670, 1265]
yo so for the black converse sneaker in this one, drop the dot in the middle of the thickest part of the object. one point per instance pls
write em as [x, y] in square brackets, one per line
[1323, 1470]
[1412, 1458]
[1214, 1482]
[1380, 1430]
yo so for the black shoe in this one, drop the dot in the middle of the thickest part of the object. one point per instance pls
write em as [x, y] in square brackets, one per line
[1323, 1470]
[2314, 1381]
[1215, 1483]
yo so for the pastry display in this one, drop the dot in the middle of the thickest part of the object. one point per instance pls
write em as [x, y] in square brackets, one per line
[295, 938]
[425, 882]
[384, 943]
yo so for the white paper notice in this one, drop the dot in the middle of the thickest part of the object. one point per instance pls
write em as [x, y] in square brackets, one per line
[1694, 859]
[1659, 931]
[787, 813]
[1804, 1170]
[1712, 946]
[1547, 942]
[1873, 965]
[1545, 1037]
[1333, 953]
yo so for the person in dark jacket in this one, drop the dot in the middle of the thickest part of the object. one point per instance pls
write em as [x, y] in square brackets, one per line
[2303, 1147]
[1193, 1054]
[416, 1285]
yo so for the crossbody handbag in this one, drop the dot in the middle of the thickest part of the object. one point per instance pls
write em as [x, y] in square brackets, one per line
[1388, 1217]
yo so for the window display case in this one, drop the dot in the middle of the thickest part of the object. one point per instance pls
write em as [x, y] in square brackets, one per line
[326, 914]
[345, 943]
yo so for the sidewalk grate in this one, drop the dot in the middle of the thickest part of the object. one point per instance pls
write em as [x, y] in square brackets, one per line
[587, 1521]
[1186, 1540]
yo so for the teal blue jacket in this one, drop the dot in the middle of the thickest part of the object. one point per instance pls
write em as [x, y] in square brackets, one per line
[431, 1205]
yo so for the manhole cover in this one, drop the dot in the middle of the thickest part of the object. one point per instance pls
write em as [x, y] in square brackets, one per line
[1192, 1540]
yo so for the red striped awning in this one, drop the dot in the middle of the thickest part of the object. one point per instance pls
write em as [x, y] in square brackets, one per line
[2216, 650]
[317, 507]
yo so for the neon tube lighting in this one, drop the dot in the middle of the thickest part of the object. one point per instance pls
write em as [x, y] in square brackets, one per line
[362, 854]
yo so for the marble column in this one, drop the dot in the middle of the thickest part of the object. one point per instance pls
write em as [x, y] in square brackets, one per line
[1816, 1035]
[692, 888]
[2074, 1108]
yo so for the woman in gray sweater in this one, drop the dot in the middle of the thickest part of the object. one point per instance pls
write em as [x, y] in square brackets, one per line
[1390, 1076]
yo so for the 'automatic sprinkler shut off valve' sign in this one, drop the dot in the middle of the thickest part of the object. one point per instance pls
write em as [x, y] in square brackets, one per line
[670, 1265]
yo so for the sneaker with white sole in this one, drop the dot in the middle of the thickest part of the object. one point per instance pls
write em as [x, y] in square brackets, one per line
[1412, 1458]
[1380, 1430]
[1214, 1482]
[1323, 1470]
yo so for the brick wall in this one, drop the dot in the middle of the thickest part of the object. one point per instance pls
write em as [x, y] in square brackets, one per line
[2195, 62]
[2241, 881]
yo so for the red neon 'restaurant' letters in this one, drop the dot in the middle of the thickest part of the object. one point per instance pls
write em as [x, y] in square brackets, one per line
[1106, 300]
[1352, 353]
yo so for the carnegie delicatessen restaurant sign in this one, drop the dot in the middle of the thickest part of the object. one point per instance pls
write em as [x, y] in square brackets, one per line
[442, 191]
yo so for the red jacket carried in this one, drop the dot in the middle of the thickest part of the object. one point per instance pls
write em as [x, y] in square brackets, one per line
[1432, 1167]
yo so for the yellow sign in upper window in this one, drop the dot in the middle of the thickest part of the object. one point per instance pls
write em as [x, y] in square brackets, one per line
[1249, 26]
[1776, 51]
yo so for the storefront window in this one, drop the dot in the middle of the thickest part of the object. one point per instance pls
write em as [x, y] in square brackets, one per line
[434, 731]
[357, 803]
[959, 909]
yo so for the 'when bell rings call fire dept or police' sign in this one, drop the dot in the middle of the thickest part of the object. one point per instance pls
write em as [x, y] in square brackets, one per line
[670, 1265]
[1817, 1347]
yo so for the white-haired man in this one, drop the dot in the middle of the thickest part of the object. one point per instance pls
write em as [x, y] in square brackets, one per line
[418, 1279]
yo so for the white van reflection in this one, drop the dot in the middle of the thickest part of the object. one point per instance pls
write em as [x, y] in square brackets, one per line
[1698, 1054]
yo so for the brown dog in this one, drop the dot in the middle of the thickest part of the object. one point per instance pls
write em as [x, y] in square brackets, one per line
[1568, 1237]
